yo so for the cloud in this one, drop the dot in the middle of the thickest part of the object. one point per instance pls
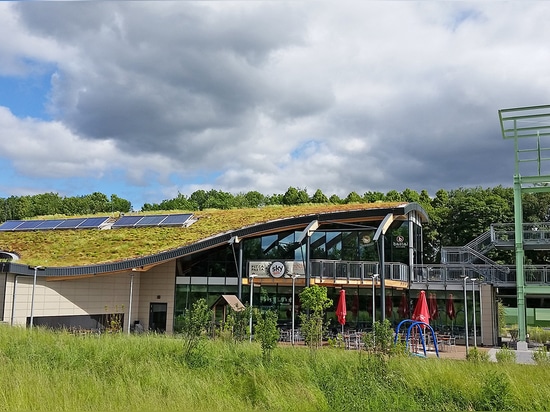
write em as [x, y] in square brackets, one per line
[261, 96]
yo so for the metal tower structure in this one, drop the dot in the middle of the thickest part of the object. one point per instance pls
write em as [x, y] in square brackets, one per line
[529, 127]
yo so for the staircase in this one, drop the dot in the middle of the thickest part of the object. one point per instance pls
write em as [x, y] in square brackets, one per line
[471, 253]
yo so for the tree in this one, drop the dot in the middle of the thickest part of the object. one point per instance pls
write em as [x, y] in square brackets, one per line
[193, 325]
[335, 200]
[294, 196]
[314, 299]
[120, 205]
[353, 197]
[236, 323]
[394, 196]
[410, 195]
[372, 197]
[266, 331]
[198, 199]
[319, 197]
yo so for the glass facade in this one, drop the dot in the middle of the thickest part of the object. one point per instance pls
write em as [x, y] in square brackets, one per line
[197, 274]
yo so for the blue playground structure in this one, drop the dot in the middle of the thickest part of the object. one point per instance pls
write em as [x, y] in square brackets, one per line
[421, 326]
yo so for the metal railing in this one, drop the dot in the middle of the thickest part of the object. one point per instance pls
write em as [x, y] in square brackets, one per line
[503, 234]
[352, 270]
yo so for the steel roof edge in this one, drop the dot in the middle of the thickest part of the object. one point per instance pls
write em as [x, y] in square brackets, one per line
[211, 242]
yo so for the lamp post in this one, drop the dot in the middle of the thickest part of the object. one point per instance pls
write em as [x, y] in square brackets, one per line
[374, 277]
[251, 277]
[474, 310]
[466, 313]
[131, 295]
[36, 268]
[293, 306]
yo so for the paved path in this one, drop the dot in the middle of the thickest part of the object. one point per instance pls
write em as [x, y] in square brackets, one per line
[459, 352]
[522, 356]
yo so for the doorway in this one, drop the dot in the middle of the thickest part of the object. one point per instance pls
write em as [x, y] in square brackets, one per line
[157, 317]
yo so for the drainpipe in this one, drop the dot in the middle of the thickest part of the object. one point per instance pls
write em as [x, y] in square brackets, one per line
[13, 299]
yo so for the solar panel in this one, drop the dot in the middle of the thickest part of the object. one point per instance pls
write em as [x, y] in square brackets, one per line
[29, 224]
[127, 221]
[50, 224]
[92, 222]
[71, 223]
[10, 224]
[152, 220]
[176, 220]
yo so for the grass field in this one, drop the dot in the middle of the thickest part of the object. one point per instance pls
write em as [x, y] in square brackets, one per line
[42, 370]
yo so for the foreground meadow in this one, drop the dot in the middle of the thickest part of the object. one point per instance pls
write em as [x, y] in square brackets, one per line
[42, 370]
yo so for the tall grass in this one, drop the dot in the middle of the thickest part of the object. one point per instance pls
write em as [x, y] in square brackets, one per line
[41, 370]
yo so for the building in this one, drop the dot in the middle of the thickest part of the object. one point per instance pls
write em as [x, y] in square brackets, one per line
[247, 255]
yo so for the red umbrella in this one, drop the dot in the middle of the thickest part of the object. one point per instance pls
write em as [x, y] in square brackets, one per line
[434, 313]
[421, 311]
[403, 309]
[389, 306]
[341, 308]
[451, 313]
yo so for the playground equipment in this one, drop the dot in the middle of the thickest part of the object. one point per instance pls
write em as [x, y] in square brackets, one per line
[421, 327]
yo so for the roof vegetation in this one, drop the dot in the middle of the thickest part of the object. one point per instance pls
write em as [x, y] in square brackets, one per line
[59, 248]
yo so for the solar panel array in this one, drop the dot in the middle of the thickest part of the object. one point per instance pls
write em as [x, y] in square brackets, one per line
[153, 220]
[182, 219]
[75, 223]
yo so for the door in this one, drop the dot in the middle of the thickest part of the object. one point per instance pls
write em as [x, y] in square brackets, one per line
[157, 317]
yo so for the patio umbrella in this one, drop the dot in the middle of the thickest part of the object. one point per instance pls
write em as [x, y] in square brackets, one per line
[341, 309]
[389, 306]
[451, 313]
[421, 311]
[403, 309]
[434, 312]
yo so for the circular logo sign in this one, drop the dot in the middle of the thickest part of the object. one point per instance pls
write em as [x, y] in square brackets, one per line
[400, 239]
[277, 269]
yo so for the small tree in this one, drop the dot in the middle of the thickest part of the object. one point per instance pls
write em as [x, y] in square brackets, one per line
[380, 340]
[314, 299]
[236, 324]
[266, 331]
[194, 326]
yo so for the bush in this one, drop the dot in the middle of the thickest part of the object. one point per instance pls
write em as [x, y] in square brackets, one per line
[267, 332]
[540, 356]
[475, 355]
[505, 355]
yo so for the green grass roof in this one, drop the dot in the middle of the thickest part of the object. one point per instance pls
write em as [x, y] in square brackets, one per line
[59, 248]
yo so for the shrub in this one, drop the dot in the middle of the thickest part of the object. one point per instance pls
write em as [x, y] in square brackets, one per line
[475, 355]
[267, 332]
[380, 340]
[505, 355]
[194, 325]
[540, 356]
[495, 393]
[315, 300]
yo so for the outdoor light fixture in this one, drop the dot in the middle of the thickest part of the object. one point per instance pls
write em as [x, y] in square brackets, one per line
[251, 277]
[466, 313]
[36, 269]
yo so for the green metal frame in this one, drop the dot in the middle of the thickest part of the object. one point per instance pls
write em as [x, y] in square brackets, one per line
[525, 125]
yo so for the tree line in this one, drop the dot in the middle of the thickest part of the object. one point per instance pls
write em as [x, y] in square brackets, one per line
[50, 204]
[456, 216]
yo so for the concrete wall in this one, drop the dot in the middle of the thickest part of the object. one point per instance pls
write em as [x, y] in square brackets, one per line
[158, 286]
[486, 311]
[96, 295]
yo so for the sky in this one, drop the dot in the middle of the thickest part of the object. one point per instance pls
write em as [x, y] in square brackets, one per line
[149, 99]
